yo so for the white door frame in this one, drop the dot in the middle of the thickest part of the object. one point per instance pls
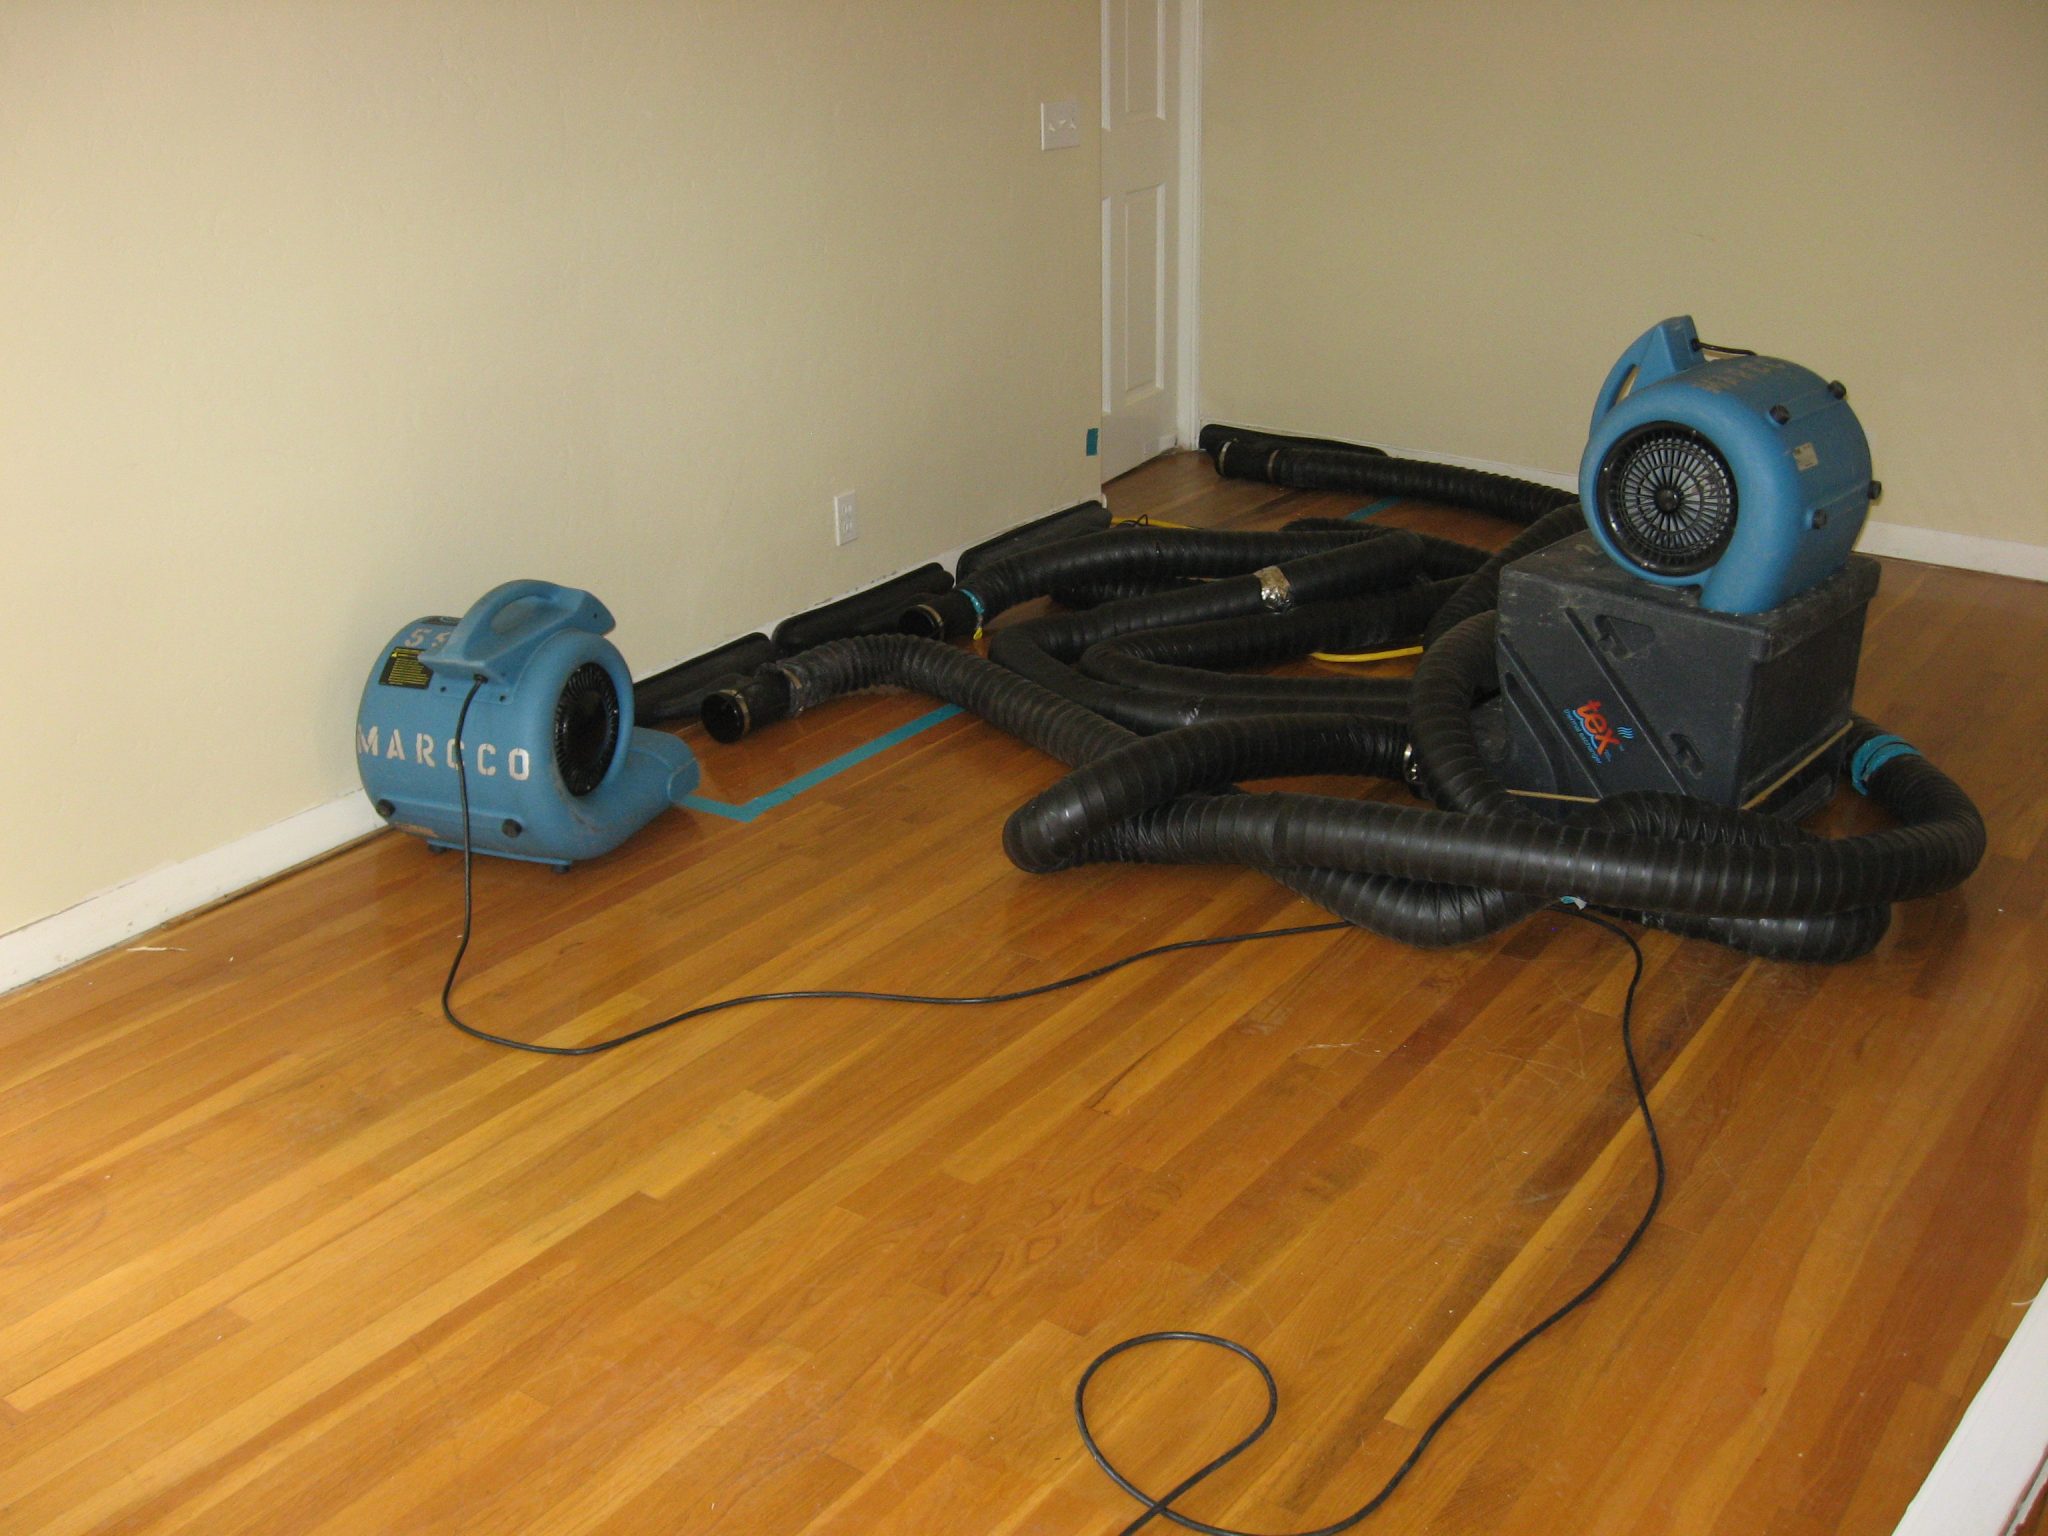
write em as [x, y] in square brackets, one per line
[1188, 404]
[1183, 425]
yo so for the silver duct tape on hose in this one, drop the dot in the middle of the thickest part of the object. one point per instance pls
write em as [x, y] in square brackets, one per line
[1275, 591]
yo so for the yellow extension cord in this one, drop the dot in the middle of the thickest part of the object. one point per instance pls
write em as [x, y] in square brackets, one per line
[1406, 650]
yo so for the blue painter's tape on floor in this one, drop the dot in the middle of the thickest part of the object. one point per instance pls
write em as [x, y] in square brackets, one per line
[782, 794]
[1379, 506]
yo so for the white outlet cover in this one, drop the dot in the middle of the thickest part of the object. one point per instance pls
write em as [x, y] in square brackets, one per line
[1059, 124]
[845, 518]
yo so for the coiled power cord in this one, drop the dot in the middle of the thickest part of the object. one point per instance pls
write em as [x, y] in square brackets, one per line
[1159, 1506]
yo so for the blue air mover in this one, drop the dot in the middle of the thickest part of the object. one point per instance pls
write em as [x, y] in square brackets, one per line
[1703, 637]
[1747, 477]
[557, 771]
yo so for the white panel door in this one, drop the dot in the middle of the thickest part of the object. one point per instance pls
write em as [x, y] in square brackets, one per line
[1140, 229]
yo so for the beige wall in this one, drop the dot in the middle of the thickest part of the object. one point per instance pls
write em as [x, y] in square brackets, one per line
[315, 317]
[1434, 223]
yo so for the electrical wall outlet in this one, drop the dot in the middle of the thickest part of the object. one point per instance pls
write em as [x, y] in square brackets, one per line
[845, 526]
[1059, 124]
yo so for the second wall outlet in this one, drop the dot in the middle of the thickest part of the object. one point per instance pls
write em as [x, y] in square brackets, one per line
[1059, 124]
[845, 523]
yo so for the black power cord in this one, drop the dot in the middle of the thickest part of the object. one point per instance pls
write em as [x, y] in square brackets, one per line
[1160, 1507]
[598, 1047]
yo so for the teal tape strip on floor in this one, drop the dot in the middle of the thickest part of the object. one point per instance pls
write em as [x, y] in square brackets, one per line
[1379, 506]
[782, 794]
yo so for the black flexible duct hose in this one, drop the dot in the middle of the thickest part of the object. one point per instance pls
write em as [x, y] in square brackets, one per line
[1441, 557]
[1319, 465]
[1046, 649]
[1389, 560]
[1092, 594]
[1481, 591]
[1184, 658]
[1423, 877]
[1215, 433]
[1416, 912]
[873, 612]
[1082, 686]
[1702, 886]
[1088, 517]
[678, 692]
[1677, 868]
[1152, 554]
[1039, 718]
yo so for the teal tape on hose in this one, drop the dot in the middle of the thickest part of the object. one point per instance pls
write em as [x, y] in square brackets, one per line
[980, 610]
[1377, 507]
[782, 794]
[1873, 755]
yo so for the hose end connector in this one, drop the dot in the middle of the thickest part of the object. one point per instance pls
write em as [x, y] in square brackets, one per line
[942, 616]
[1411, 770]
[1873, 754]
[731, 713]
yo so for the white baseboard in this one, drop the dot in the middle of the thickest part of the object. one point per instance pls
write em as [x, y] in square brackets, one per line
[1989, 1473]
[114, 916]
[1961, 551]
[136, 906]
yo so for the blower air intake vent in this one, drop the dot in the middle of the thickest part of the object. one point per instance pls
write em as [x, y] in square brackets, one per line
[1666, 498]
[586, 728]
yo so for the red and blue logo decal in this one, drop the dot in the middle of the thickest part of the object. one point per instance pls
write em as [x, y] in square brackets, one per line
[1601, 736]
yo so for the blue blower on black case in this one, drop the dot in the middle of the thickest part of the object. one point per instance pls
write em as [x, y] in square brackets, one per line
[1747, 477]
[557, 770]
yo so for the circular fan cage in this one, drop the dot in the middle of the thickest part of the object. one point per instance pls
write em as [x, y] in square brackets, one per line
[586, 728]
[1666, 498]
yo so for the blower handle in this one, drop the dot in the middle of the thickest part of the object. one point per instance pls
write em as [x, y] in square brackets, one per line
[481, 646]
[1668, 347]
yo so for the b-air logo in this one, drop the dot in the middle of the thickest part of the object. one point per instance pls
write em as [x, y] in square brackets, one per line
[1601, 738]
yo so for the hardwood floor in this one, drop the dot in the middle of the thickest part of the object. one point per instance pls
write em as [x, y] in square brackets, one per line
[282, 1253]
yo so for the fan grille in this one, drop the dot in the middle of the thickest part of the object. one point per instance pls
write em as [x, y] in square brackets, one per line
[586, 728]
[1666, 498]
